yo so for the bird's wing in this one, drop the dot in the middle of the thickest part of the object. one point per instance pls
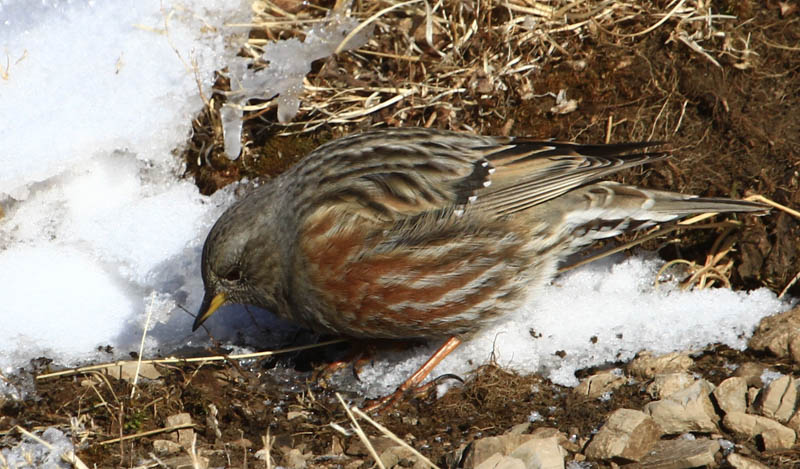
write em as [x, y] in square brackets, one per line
[529, 172]
[393, 174]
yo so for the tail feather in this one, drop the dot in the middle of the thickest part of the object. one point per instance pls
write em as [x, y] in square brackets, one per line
[672, 204]
[607, 209]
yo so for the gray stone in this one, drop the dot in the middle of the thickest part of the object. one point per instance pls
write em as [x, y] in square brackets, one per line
[541, 453]
[731, 395]
[681, 454]
[689, 410]
[740, 462]
[779, 399]
[666, 384]
[647, 366]
[628, 434]
[751, 426]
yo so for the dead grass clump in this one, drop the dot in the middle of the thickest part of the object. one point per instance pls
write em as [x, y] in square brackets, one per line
[488, 387]
[445, 64]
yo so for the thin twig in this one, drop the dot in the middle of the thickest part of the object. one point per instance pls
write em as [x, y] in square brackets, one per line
[361, 435]
[369, 21]
[148, 433]
[214, 358]
[789, 285]
[392, 436]
[141, 345]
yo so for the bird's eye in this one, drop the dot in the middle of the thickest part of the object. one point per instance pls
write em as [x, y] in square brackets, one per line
[233, 275]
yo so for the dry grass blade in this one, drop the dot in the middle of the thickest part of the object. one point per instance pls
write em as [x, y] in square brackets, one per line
[772, 203]
[654, 26]
[392, 436]
[148, 433]
[192, 451]
[268, 440]
[713, 271]
[141, 345]
[361, 435]
[789, 285]
[166, 361]
[369, 21]
[689, 41]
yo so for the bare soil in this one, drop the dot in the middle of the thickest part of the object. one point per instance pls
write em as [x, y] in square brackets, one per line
[734, 130]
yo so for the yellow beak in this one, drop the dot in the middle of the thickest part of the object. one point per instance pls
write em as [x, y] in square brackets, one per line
[210, 304]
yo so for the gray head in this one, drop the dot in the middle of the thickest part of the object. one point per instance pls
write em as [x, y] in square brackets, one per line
[241, 260]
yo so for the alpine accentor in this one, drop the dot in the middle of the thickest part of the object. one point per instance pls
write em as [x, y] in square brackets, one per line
[420, 233]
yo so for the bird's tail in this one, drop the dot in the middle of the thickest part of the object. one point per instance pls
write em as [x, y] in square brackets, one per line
[607, 209]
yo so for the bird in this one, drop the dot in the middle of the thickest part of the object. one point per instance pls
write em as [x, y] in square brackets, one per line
[416, 233]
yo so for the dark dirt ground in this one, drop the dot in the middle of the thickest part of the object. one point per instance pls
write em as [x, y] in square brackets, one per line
[734, 132]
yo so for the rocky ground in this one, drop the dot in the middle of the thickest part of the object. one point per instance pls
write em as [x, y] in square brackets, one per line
[719, 81]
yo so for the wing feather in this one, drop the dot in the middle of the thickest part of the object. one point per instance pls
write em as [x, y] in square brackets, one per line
[392, 174]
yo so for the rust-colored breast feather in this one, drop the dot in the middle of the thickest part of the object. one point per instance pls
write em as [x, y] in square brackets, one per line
[415, 281]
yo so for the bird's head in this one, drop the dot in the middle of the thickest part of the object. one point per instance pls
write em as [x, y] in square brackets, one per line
[241, 262]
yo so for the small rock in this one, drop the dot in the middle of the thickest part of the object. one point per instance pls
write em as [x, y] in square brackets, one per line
[295, 459]
[596, 385]
[794, 348]
[731, 395]
[185, 436]
[666, 384]
[485, 448]
[541, 453]
[357, 448]
[777, 334]
[775, 439]
[752, 397]
[166, 447]
[212, 422]
[498, 461]
[794, 422]
[355, 464]
[779, 398]
[750, 371]
[410, 420]
[681, 454]
[520, 428]
[647, 366]
[578, 65]
[740, 462]
[689, 410]
[561, 437]
[127, 370]
[754, 425]
[243, 443]
[294, 414]
[546, 432]
[628, 434]
[564, 105]
[399, 456]
[179, 419]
